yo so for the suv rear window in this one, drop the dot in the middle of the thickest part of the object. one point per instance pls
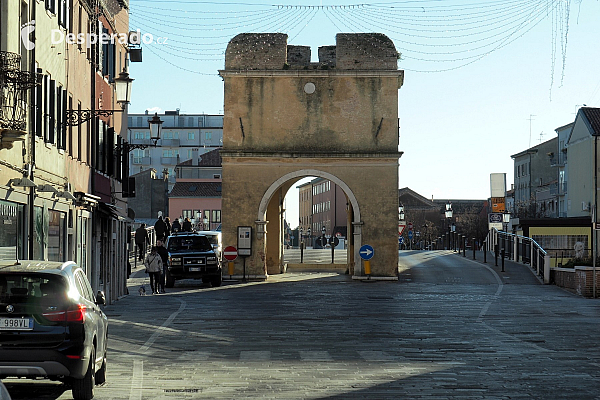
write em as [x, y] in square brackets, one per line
[189, 243]
[20, 288]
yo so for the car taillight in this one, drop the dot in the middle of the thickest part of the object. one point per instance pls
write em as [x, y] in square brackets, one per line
[75, 313]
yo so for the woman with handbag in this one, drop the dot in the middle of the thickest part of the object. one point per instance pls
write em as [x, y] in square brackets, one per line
[154, 267]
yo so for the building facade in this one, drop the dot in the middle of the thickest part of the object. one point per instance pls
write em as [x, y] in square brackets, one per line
[322, 203]
[287, 118]
[60, 138]
[197, 193]
[534, 178]
[183, 137]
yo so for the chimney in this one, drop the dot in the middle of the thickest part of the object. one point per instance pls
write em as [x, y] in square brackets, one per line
[194, 156]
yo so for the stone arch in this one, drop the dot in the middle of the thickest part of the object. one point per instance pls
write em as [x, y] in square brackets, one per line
[262, 209]
[356, 215]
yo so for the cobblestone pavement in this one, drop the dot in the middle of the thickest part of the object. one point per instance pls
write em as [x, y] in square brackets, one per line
[450, 328]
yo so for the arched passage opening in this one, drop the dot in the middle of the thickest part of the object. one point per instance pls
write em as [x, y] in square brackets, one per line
[270, 218]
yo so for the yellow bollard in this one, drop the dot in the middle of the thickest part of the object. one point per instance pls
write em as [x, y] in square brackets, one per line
[367, 267]
[230, 268]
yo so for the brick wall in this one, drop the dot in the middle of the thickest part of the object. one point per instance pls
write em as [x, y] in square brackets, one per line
[584, 281]
[564, 277]
[579, 279]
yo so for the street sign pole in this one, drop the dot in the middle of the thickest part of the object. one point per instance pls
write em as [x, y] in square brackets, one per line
[230, 253]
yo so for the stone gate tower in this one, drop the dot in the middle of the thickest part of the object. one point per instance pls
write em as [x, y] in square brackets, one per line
[287, 118]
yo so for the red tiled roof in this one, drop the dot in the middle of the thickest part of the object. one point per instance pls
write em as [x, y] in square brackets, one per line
[196, 189]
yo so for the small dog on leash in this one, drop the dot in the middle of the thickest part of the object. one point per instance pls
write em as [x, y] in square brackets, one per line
[142, 290]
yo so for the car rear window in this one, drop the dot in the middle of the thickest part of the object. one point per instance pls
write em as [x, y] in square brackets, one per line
[213, 239]
[17, 287]
[189, 243]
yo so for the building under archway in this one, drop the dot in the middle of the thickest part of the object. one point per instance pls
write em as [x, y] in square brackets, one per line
[287, 118]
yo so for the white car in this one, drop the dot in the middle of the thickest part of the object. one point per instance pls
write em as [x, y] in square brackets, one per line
[214, 237]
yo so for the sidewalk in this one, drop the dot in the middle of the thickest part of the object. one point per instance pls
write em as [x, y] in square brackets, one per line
[515, 273]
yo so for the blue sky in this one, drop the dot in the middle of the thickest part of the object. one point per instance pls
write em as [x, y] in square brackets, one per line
[478, 74]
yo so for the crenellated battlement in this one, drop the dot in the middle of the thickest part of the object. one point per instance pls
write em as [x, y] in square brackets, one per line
[270, 51]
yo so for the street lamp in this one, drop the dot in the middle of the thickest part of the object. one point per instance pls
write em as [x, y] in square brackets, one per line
[123, 95]
[506, 220]
[155, 125]
[123, 88]
[401, 213]
[448, 218]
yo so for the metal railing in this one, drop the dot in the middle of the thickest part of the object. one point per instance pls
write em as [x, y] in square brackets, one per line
[520, 249]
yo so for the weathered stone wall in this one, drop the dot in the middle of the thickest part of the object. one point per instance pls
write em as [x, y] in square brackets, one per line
[257, 51]
[337, 117]
[365, 51]
[298, 56]
[269, 51]
[327, 56]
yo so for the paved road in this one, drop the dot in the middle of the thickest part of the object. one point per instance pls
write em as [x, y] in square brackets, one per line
[449, 328]
[314, 256]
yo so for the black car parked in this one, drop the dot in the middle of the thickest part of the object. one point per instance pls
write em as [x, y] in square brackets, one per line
[51, 325]
[191, 256]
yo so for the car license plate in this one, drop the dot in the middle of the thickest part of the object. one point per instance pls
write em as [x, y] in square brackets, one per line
[194, 269]
[18, 324]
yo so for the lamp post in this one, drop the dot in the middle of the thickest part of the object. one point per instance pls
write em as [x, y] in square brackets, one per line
[506, 220]
[155, 125]
[123, 85]
[449, 218]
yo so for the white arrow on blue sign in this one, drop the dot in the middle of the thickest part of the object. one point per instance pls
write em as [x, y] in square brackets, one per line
[410, 234]
[366, 252]
[401, 240]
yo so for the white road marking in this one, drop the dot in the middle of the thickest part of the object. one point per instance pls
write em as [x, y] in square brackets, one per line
[137, 380]
[162, 328]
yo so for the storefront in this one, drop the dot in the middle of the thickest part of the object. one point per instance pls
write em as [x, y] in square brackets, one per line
[11, 230]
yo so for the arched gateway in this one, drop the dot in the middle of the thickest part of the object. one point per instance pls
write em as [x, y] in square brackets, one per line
[287, 118]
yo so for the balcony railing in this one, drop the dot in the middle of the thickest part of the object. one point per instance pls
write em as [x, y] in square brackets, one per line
[558, 160]
[142, 160]
[168, 160]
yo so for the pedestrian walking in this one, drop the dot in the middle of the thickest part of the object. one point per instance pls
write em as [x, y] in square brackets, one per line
[154, 267]
[164, 256]
[141, 240]
[187, 225]
[168, 224]
[176, 227]
[160, 227]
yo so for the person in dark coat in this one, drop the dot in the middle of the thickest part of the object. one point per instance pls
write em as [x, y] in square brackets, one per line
[141, 240]
[164, 255]
[168, 231]
[187, 225]
[160, 227]
[176, 227]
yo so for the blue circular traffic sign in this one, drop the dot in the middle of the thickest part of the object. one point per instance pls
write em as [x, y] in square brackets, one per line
[366, 252]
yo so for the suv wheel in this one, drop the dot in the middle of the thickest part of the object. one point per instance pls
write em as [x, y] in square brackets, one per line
[83, 389]
[216, 281]
[170, 281]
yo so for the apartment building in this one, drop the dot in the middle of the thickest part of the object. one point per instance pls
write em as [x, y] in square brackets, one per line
[61, 139]
[183, 136]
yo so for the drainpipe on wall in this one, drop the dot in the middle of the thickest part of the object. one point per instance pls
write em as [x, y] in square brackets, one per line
[32, 132]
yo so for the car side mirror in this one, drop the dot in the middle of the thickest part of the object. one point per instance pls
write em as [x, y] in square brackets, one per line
[100, 298]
